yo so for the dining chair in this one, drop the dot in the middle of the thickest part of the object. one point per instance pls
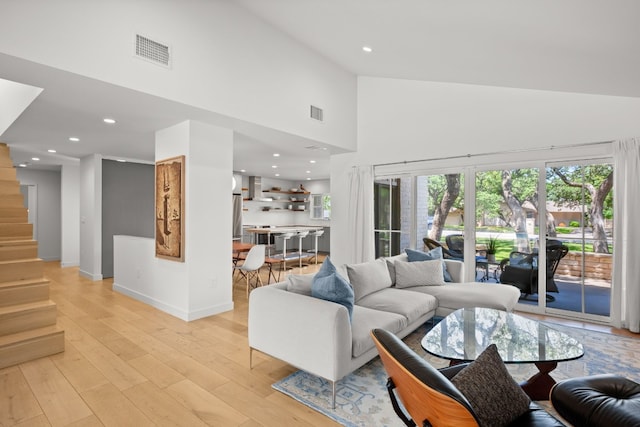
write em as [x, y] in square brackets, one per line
[252, 264]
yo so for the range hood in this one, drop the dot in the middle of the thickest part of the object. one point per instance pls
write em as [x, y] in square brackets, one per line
[255, 187]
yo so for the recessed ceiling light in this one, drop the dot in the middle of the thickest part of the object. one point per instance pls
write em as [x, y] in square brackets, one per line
[35, 158]
[277, 174]
[367, 49]
[74, 139]
[121, 161]
[308, 171]
[312, 161]
[276, 154]
[243, 170]
[51, 151]
[275, 166]
[108, 120]
[22, 165]
[308, 179]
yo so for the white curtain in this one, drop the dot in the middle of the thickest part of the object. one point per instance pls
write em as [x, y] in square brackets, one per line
[361, 214]
[627, 231]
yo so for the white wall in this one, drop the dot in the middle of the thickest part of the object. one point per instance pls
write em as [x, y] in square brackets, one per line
[202, 284]
[225, 59]
[16, 97]
[402, 120]
[70, 203]
[47, 187]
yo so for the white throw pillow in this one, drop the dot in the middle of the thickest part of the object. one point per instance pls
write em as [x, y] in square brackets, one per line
[419, 273]
[368, 277]
[300, 283]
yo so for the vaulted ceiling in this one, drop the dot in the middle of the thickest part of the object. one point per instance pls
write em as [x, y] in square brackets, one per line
[586, 46]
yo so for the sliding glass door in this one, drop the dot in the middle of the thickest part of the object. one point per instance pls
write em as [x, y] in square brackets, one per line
[557, 216]
[580, 213]
[506, 210]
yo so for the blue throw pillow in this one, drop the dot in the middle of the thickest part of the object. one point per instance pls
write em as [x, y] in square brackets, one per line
[435, 253]
[329, 285]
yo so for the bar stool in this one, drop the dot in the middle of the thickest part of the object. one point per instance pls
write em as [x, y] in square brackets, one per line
[316, 234]
[284, 237]
[301, 235]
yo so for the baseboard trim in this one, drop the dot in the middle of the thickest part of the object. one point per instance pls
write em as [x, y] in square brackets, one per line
[94, 277]
[171, 309]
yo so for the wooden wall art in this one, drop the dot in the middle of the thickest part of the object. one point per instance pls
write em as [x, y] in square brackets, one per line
[170, 208]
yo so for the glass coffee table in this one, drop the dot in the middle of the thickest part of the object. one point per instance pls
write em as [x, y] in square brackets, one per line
[465, 333]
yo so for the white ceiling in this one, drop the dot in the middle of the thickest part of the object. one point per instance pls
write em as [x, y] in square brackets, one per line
[588, 46]
[585, 46]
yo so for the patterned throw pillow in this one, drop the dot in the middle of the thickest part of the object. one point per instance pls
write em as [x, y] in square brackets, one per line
[435, 253]
[493, 394]
[329, 285]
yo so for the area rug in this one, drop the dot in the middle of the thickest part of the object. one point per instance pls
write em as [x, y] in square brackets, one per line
[362, 399]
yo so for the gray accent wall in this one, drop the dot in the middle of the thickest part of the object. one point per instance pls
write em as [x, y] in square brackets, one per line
[127, 205]
[48, 216]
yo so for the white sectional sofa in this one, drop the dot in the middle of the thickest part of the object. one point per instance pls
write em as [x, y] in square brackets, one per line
[317, 336]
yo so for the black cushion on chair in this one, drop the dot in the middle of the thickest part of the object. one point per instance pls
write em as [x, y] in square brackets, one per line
[598, 401]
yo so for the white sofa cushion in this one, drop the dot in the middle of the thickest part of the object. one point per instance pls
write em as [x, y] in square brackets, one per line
[397, 301]
[368, 277]
[436, 253]
[454, 296]
[366, 319]
[419, 273]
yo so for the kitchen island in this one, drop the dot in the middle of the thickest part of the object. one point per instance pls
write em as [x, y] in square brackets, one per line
[291, 249]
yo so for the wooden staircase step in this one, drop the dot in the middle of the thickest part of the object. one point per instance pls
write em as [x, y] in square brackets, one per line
[18, 249]
[16, 231]
[29, 345]
[13, 214]
[28, 327]
[4, 150]
[8, 173]
[12, 201]
[23, 292]
[25, 269]
[23, 317]
[9, 187]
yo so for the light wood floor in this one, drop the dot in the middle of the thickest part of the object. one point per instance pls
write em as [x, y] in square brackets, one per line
[128, 364]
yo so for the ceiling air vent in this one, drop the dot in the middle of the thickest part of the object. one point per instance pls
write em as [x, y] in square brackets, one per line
[153, 51]
[317, 113]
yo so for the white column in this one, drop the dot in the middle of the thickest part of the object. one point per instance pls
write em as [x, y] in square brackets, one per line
[201, 285]
[91, 217]
[70, 205]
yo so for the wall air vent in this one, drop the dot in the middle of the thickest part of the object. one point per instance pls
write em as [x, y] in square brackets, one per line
[152, 51]
[317, 113]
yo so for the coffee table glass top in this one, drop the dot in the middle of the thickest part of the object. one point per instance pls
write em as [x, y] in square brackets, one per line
[465, 333]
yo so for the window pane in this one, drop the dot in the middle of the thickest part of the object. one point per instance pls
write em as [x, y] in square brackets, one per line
[580, 216]
[392, 214]
[506, 215]
[440, 210]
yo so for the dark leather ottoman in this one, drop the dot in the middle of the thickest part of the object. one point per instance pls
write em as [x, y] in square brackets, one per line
[598, 401]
